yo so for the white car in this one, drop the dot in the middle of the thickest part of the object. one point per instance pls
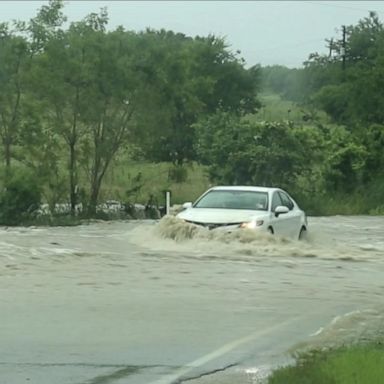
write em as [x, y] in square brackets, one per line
[258, 208]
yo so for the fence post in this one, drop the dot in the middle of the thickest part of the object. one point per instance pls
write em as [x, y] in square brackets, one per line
[167, 202]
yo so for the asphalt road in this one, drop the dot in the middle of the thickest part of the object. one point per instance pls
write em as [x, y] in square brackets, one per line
[113, 303]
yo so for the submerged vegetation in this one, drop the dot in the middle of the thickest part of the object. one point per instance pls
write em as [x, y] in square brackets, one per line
[89, 114]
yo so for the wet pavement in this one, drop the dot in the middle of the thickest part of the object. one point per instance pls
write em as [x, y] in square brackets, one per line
[124, 302]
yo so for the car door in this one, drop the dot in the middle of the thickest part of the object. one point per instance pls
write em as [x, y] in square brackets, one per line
[292, 219]
[279, 223]
[284, 224]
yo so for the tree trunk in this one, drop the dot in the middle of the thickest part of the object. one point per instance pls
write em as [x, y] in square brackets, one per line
[72, 178]
[98, 173]
[94, 197]
[73, 187]
[7, 158]
[7, 154]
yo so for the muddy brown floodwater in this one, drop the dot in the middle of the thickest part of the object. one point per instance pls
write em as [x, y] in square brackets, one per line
[148, 302]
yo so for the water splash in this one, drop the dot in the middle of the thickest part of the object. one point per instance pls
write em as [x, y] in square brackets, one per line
[170, 227]
[354, 327]
[174, 228]
[175, 235]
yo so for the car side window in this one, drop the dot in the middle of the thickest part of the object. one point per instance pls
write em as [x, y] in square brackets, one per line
[276, 201]
[287, 202]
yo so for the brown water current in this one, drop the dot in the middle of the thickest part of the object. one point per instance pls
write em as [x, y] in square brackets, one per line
[162, 302]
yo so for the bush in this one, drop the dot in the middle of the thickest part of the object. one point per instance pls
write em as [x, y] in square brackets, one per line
[178, 174]
[19, 199]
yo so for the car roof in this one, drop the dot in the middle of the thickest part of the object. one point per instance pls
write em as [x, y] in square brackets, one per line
[244, 188]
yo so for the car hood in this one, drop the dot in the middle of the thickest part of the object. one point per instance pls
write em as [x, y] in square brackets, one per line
[220, 216]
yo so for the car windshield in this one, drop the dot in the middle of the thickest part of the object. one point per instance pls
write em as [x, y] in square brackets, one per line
[251, 200]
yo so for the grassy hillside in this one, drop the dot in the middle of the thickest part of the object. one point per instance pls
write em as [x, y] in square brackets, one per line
[136, 182]
[276, 109]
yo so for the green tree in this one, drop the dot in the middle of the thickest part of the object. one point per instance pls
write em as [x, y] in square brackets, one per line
[238, 151]
[20, 123]
[351, 93]
[345, 161]
[41, 152]
[62, 78]
[14, 59]
[189, 78]
[347, 84]
[111, 98]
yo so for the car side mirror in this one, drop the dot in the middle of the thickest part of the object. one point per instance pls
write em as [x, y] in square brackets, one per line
[281, 209]
[187, 205]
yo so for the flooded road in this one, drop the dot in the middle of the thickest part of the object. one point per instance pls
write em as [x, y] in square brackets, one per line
[142, 302]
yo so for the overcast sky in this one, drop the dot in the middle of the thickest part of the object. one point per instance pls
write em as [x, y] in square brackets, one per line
[266, 32]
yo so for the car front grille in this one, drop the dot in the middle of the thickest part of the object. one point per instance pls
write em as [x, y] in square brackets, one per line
[211, 225]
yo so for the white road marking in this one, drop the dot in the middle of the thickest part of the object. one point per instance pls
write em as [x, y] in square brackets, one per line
[171, 378]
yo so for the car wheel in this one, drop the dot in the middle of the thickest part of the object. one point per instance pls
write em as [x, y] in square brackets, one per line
[303, 235]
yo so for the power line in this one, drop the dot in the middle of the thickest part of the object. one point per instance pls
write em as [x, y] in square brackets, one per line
[333, 5]
[292, 46]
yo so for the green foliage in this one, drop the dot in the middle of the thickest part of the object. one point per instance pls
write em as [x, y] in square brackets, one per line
[190, 78]
[259, 153]
[363, 364]
[134, 182]
[345, 160]
[77, 98]
[14, 60]
[77, 95]
[178, 173]
[333, 99]
[286, 82]
[351, 92]
[347, 84]
[20, 198]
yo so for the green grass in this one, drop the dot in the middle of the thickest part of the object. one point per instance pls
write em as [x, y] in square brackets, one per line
[154, 180]
[360, 364]
[276, 109]
[367, 200]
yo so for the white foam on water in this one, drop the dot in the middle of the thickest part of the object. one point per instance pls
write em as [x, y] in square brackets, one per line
[350, 328]
[174, 235]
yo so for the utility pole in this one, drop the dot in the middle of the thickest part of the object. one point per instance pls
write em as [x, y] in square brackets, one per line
[330, 48]
[342, 51]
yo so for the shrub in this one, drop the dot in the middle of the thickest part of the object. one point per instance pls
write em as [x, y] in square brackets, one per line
[20, 198]
[178, 174]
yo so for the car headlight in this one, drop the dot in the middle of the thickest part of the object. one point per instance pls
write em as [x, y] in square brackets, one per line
[252, 224]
